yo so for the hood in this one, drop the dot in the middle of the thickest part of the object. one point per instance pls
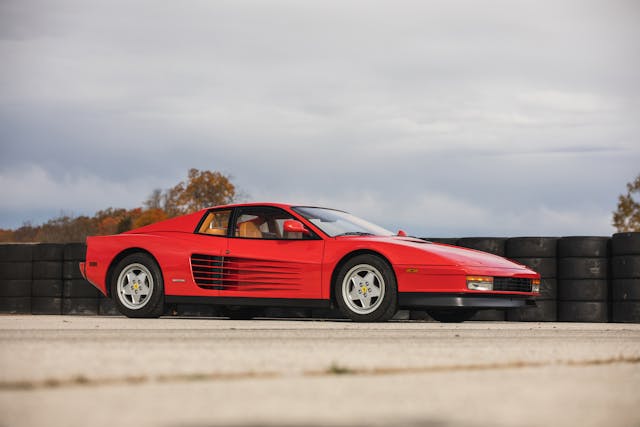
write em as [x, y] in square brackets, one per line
[441, 254]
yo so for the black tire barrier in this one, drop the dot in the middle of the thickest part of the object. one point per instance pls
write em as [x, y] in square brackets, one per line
[545, 311]
[531, 247]
[106, 307]
[490, 316]
[197, 310]
[626, 311]
[583, 268]
[15, 305]
[48, 252]
[75, 252]
[583, 247]
[625, 290]
[420, 315]
[327, 313]
[47, 288]
[46, 305]
[546, 267]
[71, 270]
[47, 270]
[625, 272]
[446, 240]
[625, 267]
[18, 270]
[15, 288]
[583, 311]
[625, 244]
[548, 289]
[594, 290]
[79, 288]
[14, 252]
[492, 245]
[80, 306]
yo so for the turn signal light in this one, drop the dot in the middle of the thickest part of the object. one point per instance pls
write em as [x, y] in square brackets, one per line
[480, 283]
[535, 285]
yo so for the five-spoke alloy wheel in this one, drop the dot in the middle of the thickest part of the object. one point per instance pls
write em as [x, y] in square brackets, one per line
[137, 286]
[365, 289]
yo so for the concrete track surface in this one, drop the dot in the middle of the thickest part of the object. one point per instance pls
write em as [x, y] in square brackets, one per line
[110, 371]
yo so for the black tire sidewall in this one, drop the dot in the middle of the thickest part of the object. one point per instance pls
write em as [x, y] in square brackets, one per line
[155, 306]
[389, 304]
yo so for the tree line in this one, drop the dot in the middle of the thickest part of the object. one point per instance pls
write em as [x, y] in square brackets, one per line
[201, 189]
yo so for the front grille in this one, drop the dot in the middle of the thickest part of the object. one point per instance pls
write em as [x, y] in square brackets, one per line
[513, 284]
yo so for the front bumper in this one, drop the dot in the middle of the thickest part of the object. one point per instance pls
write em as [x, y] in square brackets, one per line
[442, 300]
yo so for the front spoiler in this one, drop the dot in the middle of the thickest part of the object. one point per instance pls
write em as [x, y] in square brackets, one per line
[427, 300]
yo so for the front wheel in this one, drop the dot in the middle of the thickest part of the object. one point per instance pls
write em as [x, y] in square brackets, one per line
[365, 289]
[452, 315]
[137, 287]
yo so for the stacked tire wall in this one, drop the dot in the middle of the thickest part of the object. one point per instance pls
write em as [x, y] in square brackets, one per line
[584, 279]
[625, 273]
[539, 254]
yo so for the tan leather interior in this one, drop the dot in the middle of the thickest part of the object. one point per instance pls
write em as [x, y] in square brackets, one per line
[208, 227]
[249, 229]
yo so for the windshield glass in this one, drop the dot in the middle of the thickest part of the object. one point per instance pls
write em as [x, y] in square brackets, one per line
[337, 223]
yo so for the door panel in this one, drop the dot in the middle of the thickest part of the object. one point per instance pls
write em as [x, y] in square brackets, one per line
[272, 268]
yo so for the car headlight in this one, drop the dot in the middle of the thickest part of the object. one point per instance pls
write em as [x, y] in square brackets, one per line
[480, 283]
[535, 285]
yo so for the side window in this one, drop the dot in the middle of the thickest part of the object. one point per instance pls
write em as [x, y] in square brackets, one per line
[215, 223]
[263, 223]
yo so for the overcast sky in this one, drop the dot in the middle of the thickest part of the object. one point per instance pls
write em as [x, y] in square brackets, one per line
[444, 118]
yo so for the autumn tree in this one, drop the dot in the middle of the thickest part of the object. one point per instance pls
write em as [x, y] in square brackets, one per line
[201, 190]
[627, 216]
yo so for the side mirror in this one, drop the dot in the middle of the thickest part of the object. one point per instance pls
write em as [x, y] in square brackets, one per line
[402, 233]
[292, 226]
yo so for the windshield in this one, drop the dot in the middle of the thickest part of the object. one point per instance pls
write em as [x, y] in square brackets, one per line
[337, 223]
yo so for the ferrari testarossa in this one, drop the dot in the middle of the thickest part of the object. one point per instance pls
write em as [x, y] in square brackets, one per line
[245, 256]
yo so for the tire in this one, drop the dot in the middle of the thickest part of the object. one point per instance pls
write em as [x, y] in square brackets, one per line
[12, 252]
[546, 267]
[75, 252]
[47, 288]
[625, 267]
[492, 245]
[548, 289]
[583, 268]
[47, 270]
[625, 290]
[46, 305]
[594, 290]
[18, 270]
[531, 247]
[48, 252]
[71, 270]
[15, 288]
[15, 305]
[452, 315]
[144, 272]
[366, 275]
[584, 247]
[582, 311]
[625, 244]
[626, 311]
[80, 289]
[106, 307]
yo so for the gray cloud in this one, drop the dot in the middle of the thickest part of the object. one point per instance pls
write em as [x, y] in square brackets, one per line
[458, 118]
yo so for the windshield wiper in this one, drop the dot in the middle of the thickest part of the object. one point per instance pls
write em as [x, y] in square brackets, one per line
[354, 233]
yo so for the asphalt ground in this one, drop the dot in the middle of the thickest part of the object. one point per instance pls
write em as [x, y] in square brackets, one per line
[111, 371]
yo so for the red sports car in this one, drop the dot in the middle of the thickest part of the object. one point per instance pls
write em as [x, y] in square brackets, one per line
[268, 254]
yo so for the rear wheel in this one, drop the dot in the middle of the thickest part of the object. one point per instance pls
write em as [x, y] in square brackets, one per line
[137, 287]
[452, 315]
[365, 289]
